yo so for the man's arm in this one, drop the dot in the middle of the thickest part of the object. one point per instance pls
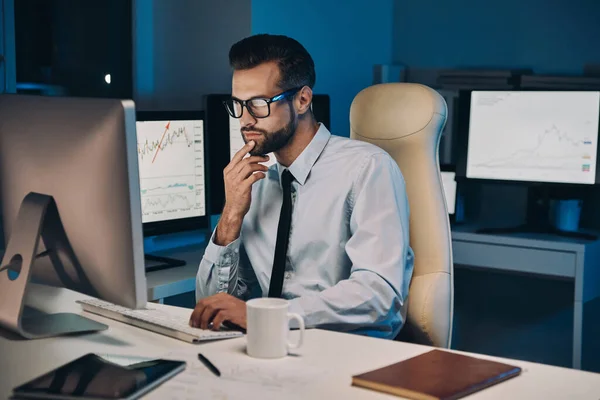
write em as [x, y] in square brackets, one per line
[221, 270]
[225, 269]
[225, 275]
[370, 300]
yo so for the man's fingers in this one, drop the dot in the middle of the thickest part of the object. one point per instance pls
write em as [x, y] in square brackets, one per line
[254, 178]
[209, 303]
[250, 169]
[219, 318]
[252, 160]
[208, 314]
[256, 159]
[195, 317]
[204, 311]
[242, 152]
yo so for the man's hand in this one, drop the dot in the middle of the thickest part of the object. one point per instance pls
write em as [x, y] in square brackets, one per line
[239, 176]
[217, 309]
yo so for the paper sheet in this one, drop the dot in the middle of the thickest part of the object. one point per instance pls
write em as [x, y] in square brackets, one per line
[241, 378]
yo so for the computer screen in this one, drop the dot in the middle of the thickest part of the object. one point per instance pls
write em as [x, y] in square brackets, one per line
[172, 169]
[69, 190]
[533, 136]
[449, 183]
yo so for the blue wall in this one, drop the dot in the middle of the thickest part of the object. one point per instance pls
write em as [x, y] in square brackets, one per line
[180, 50]
[345, 39]
[550, 36]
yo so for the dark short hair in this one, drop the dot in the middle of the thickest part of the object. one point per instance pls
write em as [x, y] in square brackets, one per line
[296, 66]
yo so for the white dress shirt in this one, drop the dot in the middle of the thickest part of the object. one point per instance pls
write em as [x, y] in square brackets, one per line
[349, 263]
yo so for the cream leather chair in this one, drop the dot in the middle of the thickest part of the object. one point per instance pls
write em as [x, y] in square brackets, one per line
[406, 120]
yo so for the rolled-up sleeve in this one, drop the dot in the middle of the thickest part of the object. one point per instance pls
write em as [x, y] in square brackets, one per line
[224, 269]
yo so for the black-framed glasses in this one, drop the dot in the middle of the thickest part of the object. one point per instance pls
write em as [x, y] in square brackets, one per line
[258, 107]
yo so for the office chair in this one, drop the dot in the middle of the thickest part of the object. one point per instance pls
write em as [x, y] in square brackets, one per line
[406, 120]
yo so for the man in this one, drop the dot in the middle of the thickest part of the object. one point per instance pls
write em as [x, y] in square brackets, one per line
[343, 261]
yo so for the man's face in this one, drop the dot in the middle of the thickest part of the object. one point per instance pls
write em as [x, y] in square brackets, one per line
[273, 132]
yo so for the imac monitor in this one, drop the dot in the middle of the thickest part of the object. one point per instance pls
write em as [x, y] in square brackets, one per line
[534, 136]
[172, 168]
[71, 207]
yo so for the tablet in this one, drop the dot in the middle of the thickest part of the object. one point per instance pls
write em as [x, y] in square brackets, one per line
[95, 377]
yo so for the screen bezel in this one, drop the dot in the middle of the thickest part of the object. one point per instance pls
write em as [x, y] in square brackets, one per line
[464, 114]
[156, 228]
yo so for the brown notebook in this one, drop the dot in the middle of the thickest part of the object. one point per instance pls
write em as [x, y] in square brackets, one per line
[436, 375]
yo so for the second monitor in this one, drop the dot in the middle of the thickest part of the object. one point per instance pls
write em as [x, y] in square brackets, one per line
[173, 180]
[533, 136]
[546, 140]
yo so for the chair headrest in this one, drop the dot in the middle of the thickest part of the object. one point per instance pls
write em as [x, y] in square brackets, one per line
[394, 110]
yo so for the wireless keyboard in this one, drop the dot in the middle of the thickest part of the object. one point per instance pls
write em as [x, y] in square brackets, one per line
[157, 321]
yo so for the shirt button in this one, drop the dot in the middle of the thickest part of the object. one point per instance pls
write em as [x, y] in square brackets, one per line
[288, 275]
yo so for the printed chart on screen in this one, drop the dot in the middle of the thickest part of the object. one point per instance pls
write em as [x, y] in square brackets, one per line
[534, 136]
[171, 161]
[236, 141]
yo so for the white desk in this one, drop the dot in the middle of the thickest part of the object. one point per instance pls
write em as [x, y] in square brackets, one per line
[342, 355]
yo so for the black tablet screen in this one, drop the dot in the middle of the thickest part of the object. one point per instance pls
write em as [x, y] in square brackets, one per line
[93, 376]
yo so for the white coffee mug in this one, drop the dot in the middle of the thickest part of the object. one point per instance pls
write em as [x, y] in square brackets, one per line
[268, 326]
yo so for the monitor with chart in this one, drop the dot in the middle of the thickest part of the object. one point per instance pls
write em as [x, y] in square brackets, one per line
[533, 136]
[172, 163]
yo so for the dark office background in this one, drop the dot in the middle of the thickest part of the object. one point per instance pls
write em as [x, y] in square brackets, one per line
[549, 36]
[178, 49]
[73, 45]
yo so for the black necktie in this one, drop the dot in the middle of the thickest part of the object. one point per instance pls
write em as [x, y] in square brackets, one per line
[283, 236]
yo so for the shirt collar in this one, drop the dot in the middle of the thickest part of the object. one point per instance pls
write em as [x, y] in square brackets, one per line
[302, 165]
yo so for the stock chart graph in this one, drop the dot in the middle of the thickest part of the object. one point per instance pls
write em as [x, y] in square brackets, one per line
[171, 163]
[534, 136]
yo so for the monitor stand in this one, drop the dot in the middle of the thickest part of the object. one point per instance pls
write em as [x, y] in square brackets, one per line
[538, 216]
[157, 263]
[38, 217]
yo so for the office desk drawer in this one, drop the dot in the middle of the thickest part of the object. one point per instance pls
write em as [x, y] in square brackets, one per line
[513, 258]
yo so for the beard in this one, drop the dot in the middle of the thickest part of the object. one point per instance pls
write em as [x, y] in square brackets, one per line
[272, 141]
